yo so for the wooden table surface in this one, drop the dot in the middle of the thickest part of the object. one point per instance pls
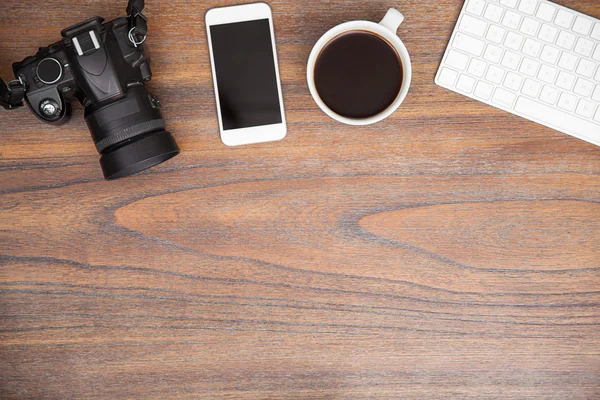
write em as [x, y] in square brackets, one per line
[452, 251]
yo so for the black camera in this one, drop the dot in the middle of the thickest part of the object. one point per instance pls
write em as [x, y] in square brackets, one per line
[104, 66]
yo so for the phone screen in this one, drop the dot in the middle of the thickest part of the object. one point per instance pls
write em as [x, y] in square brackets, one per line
[246, 74]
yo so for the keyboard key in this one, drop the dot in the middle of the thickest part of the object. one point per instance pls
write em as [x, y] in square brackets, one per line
[585, 108]
[596, 55]
[547, 74]
[582, 25]
[476, 6]
[586, 68]
[465, 83]
[469, 44]
[473, 26]
[513, 81]
[549, 95]
[565, 80]
[583, 87]
[596, 95]
[509, 3]
[568, 61]
[494, 13]
[566, 40]
[493, 53]
[447, 77]
[548, 33]
[457, 60]
[477, 68]
[528, 6]
[511, 19]
[529, 67]
[484, 90]
[546, 12]
[504, 98]
[532, 48]
[531, 88]
[567, 102]
[596, 31]
[584, 47]
[511, 60]
[530, 26]
[496, 34]
[494, 74]
[513, 41]
[550, 54]
[556, 118]
[564, 19]
[597, 77]
[597, 117]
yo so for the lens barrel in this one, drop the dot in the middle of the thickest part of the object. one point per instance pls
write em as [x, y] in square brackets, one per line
[130, 134]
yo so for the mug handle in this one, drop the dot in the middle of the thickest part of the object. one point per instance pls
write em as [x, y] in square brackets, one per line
[392, 20]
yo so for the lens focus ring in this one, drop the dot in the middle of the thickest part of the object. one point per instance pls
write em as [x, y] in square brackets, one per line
[130, 132]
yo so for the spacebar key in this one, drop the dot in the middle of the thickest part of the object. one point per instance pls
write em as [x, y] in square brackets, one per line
[559, 120]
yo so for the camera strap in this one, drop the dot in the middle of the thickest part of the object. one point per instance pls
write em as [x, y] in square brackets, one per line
[138, 23]
[11, 94]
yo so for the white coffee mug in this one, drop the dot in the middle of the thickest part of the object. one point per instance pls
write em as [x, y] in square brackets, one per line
[386, 29]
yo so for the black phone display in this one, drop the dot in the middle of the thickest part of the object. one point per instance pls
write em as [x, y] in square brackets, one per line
[246, 74]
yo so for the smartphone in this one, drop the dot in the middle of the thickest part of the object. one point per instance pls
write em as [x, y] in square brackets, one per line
[245, 73]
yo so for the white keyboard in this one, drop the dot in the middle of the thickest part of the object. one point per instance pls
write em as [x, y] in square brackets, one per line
[532, 58]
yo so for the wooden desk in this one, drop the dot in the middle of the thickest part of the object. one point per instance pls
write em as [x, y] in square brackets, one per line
[452, 251]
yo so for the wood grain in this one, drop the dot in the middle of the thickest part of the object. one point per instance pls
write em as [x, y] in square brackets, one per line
[452, 251]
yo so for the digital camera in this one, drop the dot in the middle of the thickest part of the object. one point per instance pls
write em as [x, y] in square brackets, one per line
[104, 67]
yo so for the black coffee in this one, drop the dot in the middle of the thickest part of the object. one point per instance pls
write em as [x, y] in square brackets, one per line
[358, 74]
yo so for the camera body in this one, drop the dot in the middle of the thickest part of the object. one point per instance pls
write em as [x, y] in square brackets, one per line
[104, 67]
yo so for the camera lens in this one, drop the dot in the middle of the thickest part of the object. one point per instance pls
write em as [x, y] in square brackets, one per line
[130, 134]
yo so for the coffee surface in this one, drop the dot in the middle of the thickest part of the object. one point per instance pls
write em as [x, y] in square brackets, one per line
[358, 74]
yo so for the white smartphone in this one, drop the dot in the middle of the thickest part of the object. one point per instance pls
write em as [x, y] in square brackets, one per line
[245, 73]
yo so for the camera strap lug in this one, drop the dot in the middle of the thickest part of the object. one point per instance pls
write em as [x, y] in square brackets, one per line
[12, 94]
[137, 22]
